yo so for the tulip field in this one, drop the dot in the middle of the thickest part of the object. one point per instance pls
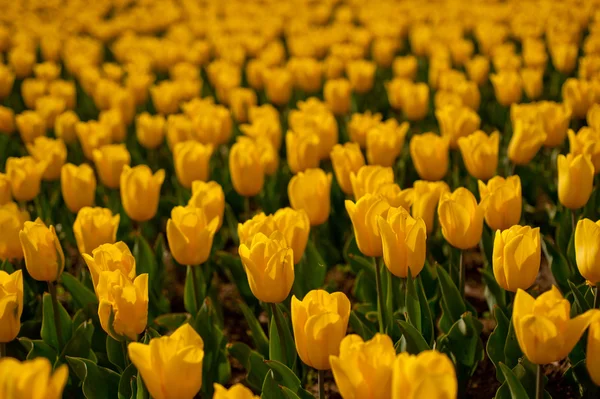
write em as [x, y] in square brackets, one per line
[299, 199]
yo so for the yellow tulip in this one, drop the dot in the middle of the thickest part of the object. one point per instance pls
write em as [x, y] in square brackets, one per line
[25, 176]
[78, 186]
[337, 95]
[31, 379]
[49, 107]
[209, 196]
[544, 328]
[415, 101]
[361, 74]
[360, 124]
[307, 73]
[264, 122]
[123, 308]
[140, 191]
[241, 99]
[578, 95]
[385, 142]
[179, 129]
[516, 257]
[429, 153]
[311, 190]
[92, 135]
[51, 152]
[555, 118]
[320, 322]
[534, 53]
[364, 215]
[461, 218]
[502, 201]
[65, 90]
[430, 374]
[346, 159]
[533, 82]
[507, 87]
[22, 60]
[278, 85]
[11, 298]
[150, 130]
[364, 369]
[528, 137]
[295, 227]
[7, 79]
[592, 360]
[405, 67]
[30, 125]
[383, 51]
[395, 89]
[592, 117]
[237, 391]
[403, 240]
[109, 161]
[302, 150]
[7, 120]
[31, 90]
[564, 57]
[480, 154]
[64, 126]
[426, 196]
[213, 126]
[587, 249]
[113, 120]
[5, 194]
[191, 160]
[457, 122]
[395, 196]
[369, 179]
[11, 223]
[269, 265]
[44, 256]
[586, 141]
[259, 223]
[314, 117]
[108, 258]
[246, 168]
[575, 180]
[171, 366]
[478, 69]
[94, 227]
[190, 234]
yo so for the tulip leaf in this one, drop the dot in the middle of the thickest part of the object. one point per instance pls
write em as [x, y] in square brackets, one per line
[359, 326]
[286, 377]
[232, 224]
[270, 387]
[234, 269]
[98, 382]
[427, 329]
[189, 295]
[512, 350]
[517, 390]
[281, 341]
[141, 392]
[38, 348]
[355, 259]
[145, 262]
[289, 393]
[451, 296]
[497, 340]
[253, 362]
[114, 351]
[364, 288]
[583, 304]
[564, 230]
[48, 332]
[558, 265]
[487, 244]
[413, 306]
[316, 268]
[463, 341]
[159, 252]
[172, 321]
[81, 343]
[415, 343]
[83, 297]
[494, 294]
[127, 382]
[258, 334]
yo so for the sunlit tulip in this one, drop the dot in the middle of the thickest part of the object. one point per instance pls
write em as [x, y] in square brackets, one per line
[150, 130]
[369, 179]
[564, 57]
[44, 256]
[430, 374]
[109, 161]
[241, 100]
[5, 194]
[92, 135]
[113, 120]
[51, 152]
[64, 126]
[502, 201]
[11, 297]
[179, 129]
[278, 85]
[337, 95]
[22, 60]
[7, 120]
[7, 78]
[587, 249]
[578, 95]
[555, 119]
[426, 196]
[49, 107]
[528, 137]
[11, 223]
[593, 117]
[210, 197]
[140, 191]
[575, 180]
[108, 258]
[346, 159]
[478, 69]
[480, 153]
[302, 151]
[461, 218]
[364, 215]
[457, 122]
[586, 141]
[592, 361]
[259, 223]
[30, 125]
[32, 379]
[191, 160]
[429, 154]
[361, 74]
[533, 82]
[507, 87]
[94, 227]
[190, 234]
[31, 90]
[360, 124]
[516, 257]
[295, 227]
[246, 168]
[395, 196]
[78, 186]
[385, 142]
[237, 391]
[25, 175]
[311, 190]
[405, 67]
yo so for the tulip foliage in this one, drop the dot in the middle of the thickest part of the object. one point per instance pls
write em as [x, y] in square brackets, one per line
[299, 199]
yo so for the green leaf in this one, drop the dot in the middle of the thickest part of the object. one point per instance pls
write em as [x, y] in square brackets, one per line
[512, 350]
[427, 329]
[360, 327]
[141, 390]
[413, 306]
[487, 243]
[579, 297]
[98, 382]
[81, 343]
[289, 393]
[233, 268]
[387, 285]
[558, 265]
[496, 341]
[172, 321]
[127, 381]
[286, 377]
[564, 230]
[463, 341]
[38, 348]
[316, 268]
[278, 343]
[495, 295]
[270, 388]
[253, 362]
[82, 296]
[258, 334]
[415, 343]
[232, 224]
[516, 388]
[48, 331]
[189, 294]
[114, 351]
[145, 262]
[451, 296]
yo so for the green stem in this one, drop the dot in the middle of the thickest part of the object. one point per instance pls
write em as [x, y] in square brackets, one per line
[379, 295]
[279, 325]
[56, 314]
[321, 384]
[2, 349]
[539, 383]
[461, 274]
[195, 285]
[596, 296]
[125, 356]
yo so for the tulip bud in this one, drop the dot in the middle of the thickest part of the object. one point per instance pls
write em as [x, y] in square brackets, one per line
[190, 234]
[587, 249]
[209, 196]
[11, 297]
[7, 78]
[461, 218]
[480, 154]
[311, 190]
[237, 391]
[502, 202]
[360, 124]
[108, 258]
[51, 152]
[517, 257]
[295, 226]
[179, 129]
[78, 186]
[278, 85]
[7, 120]
[171, 365]
[586, 141]
[64, 90]
[92, 135]
[578, 95]
[64, 126]
[410, 381]
[109, 161]
[150, 130]
[528, 137]
[544, 328]
[415, 101]
[30, 125]
[49, 107]
[269, 265]
[369, 179]
[140, 191]
[246, 168]
[25, 176]
[385, 142]
[395, 89]
[575, 180]
[507, 87]
[314, 117]
[320, 322]
[113, 121]
[32, 378]
[429, 153]
[5, 195]
[44, 256]
[405, 67]
[564, 57]
[533, 82]
[302, 150]
[361, 74]
[592, 117]
[478, 69]
[426, 196]
[94, 227]
[346, 159]
[555, 118]
[534, 53]
[337, 95]
[31, 90]
[364, 215]
[192, 161]
[123, 309]
[456, 122]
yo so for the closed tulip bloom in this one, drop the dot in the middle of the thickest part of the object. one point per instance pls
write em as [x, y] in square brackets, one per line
[92, 135]
[337, 95]
[32, 379]
[140, 191]
[113, 120]
[295, 227]
[241, 99]
[592, 117]
[426, 196]
[395, 196]
[361, 74]
[150, 130]
[237, 391]
[564, 57]
[5, 195]
[49, 107]
[64, 126]
[364, 215]
[51, 152]
[209, 196]
[405, 67]
[22, 60]
[428, 375]
[502, 201]
[190, 234]
[25, 175]
[123, 308]
[278, 85]
[31, 90]
[480, 154]
[94, 227]
[544, 328]
[30, 125]
[507, 87]
[11, 298]
[11, 223]
[461, 218]
[320, 322]
[269, 265]
[213, 127]
[369, 179]
[7, 120]
[429, 153]
[555, 118]
[587, 249]
[478, 69]
[457, 122]
[78, 186]
[171, 366]
[346, 159]
[191, 160]
[246, 168]
[415, 101]
[516, 257]
[575, 180]
[311, 190]
[108, 258]
[395, 89]
[586, 141]
[578, 95]
[179, 129]
[360, 124]
[7, 79]
[302, 151]
[307, 73]
[533, 82]
[385, 142]
[383, 51]
[403, 239]
[364, 369]
[260, 223]
[109, 161]
[528, 137]
[44, 256]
